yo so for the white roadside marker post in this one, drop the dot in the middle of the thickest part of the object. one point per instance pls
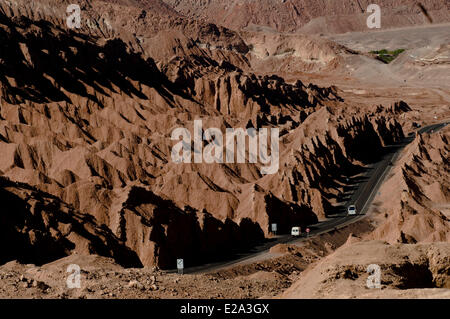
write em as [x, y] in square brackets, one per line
[274, 229]
[180, 266]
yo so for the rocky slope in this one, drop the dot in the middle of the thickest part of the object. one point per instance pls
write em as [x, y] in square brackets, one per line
[408, 238]
[320, 16]
[293, 53]
[86, 117]
[407, 271]
[415, 199]
[38, 227]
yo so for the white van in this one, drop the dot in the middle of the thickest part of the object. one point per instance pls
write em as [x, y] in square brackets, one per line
[295, 231]
[351, 210]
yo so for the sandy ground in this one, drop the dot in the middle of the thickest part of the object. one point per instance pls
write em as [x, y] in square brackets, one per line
[101, 277]
[406, 271]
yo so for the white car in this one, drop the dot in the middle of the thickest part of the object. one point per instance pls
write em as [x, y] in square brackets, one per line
[295, 231]
[351, 210]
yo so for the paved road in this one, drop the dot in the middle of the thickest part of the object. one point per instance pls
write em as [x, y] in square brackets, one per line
[367, 186]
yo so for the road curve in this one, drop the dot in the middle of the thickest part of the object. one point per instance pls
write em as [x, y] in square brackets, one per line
[362, 197]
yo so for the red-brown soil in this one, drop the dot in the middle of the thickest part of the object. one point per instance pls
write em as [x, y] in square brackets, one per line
[86, 117]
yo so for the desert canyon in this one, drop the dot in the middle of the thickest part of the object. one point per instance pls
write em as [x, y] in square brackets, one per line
[86, 175]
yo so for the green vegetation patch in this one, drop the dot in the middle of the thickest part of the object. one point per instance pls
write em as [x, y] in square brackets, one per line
[387, 56]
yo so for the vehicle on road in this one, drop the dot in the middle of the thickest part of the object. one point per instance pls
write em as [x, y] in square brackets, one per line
[351, 210]
[295, 231]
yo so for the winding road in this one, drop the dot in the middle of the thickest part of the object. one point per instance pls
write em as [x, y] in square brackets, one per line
[364, 192]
